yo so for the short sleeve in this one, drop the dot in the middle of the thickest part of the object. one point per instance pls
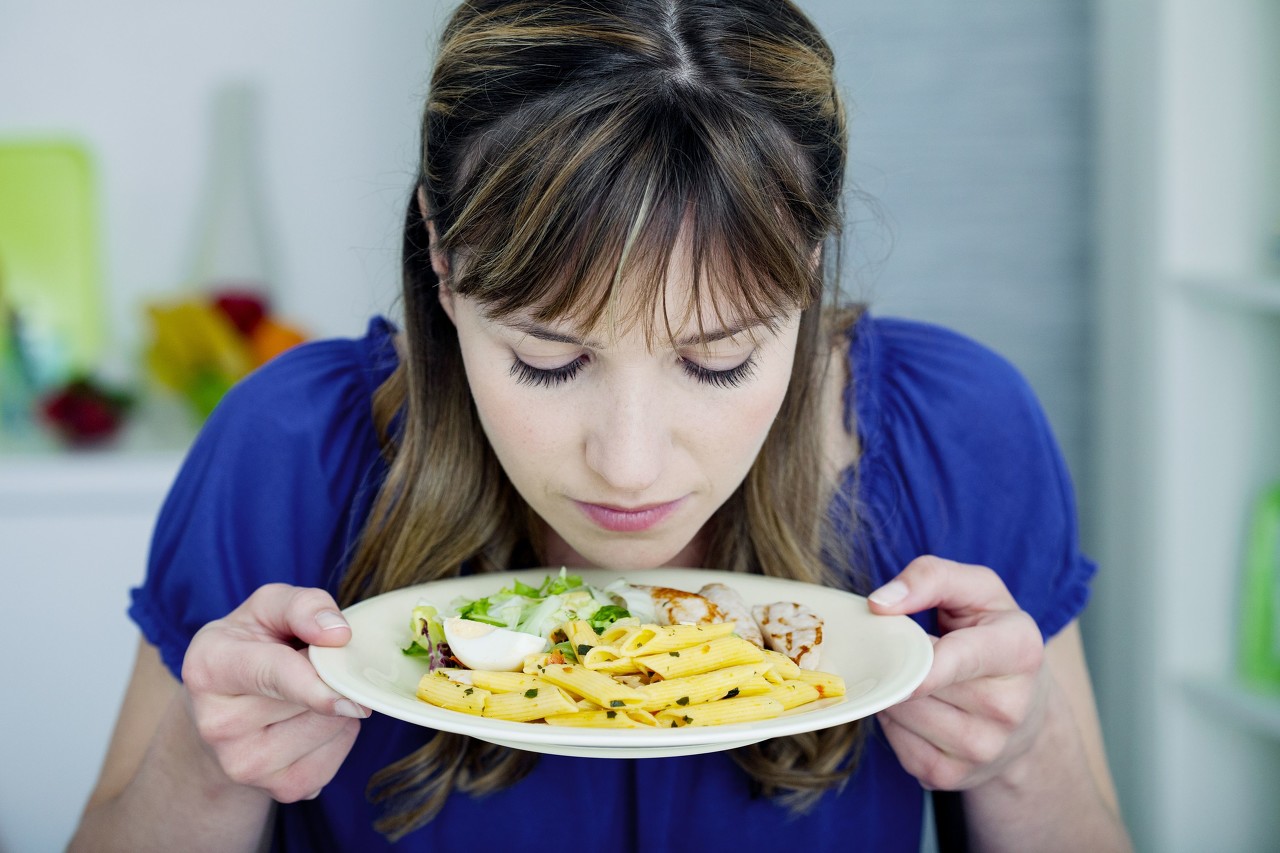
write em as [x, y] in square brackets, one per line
[960, 461]
[265, 493]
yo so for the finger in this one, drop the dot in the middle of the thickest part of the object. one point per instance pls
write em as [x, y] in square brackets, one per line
[957, 589]
[303, 613]
[1004, 645]
[954, 731]
[933, 768]
[293, 758]
[305, 777]
[284, 673]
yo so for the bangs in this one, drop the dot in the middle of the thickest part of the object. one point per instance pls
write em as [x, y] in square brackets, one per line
[579, 214]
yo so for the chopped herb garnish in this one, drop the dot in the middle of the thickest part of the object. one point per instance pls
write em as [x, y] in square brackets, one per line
[468, 691]
[531, 693]
[611, 714]
[674, 654]
[688, 719]
[683, 700]
[616, 703]
[731, 693]
[583, 648]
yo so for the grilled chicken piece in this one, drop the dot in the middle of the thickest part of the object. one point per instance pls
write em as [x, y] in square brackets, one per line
[792, 629]
[675, 606]
[735, 610]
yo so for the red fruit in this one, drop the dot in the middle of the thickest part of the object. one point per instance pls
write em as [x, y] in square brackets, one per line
[83, 413]
[243, 308]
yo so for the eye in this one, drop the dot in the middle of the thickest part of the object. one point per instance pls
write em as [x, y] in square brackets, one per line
[527, 374]
[731, 378]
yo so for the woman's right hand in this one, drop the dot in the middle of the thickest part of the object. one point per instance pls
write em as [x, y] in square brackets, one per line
[257, 702]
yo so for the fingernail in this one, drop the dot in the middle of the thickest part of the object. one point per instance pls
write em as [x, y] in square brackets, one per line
[889, 594]
[347, 708]
[327, 619]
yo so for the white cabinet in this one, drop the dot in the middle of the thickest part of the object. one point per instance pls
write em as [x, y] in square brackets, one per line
[74, 531]
[1189, 406]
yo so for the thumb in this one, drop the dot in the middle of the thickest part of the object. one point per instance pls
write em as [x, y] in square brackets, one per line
[961, 591]
[301, 613]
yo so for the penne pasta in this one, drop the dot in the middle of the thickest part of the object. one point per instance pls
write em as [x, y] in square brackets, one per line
[828, 685]
[581, 636]
[696, 689]
[594, 686]
[536, 703]
[609, 659]
[443, 692]
[784, 665]
[599, 718]
[716, 654]
[758, 686]
[503, 682]
[655, 639]
[740, 709]
[794, 693]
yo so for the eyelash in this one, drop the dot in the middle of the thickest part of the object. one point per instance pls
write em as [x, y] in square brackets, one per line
[526, 374]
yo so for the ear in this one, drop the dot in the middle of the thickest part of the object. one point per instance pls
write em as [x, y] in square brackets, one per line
[439, 262]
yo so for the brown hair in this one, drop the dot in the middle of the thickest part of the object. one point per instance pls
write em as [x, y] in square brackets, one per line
[568, 146]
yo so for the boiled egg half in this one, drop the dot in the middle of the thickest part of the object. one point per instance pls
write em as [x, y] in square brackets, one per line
[481, 646]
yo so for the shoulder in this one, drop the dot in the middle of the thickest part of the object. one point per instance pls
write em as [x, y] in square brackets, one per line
[959, 460]
[270, 491]
[313, 383]
[911, 378]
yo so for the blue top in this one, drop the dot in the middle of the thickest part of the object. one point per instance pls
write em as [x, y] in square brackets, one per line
[957, 460]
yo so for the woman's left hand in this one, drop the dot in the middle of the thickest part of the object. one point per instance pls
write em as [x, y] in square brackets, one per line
[982, 703]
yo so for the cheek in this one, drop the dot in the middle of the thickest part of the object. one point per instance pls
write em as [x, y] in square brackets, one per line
[525, 436]
[731, 435]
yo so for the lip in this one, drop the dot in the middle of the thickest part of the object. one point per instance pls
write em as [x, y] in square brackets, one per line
[617, 519]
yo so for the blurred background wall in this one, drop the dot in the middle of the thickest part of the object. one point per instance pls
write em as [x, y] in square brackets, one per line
[1010, 184]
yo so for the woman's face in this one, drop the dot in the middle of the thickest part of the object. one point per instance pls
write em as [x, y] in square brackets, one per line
[623, 449]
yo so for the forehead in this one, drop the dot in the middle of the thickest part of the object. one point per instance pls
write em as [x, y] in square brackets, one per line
[682, 305]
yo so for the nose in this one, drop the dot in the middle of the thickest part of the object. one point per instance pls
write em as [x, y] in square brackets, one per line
[628, 443]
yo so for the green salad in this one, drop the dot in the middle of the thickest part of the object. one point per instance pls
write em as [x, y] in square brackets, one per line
[520, 607]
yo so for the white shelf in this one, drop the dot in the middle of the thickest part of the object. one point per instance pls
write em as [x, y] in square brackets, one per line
[1250, 708]
[38, 474]
[1245, 294]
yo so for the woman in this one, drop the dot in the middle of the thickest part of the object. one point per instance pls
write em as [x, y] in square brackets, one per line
[615, 353]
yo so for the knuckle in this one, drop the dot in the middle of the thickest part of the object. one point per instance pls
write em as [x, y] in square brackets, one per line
[216, 727]
[984, 748]
[304, 599]
[1006, 708]
[245, 766]
[989, 575]
[930, 565]
[289, 792]
[942, 773]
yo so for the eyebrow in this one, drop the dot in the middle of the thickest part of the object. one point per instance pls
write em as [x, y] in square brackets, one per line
[542, 333]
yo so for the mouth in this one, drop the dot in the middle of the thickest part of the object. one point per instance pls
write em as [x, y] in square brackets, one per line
[620, 519]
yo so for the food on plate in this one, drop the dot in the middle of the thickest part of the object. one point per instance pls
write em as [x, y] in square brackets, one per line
[792, 629]
[478, 645]
[676, 606]
[507, 657]
[735, 610]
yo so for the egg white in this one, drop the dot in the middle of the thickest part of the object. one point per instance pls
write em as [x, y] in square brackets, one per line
[480, 646]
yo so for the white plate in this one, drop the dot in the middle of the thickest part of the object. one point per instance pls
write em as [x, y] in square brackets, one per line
[881, 659]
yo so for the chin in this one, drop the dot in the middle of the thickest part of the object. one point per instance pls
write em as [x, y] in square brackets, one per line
[628, 556]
